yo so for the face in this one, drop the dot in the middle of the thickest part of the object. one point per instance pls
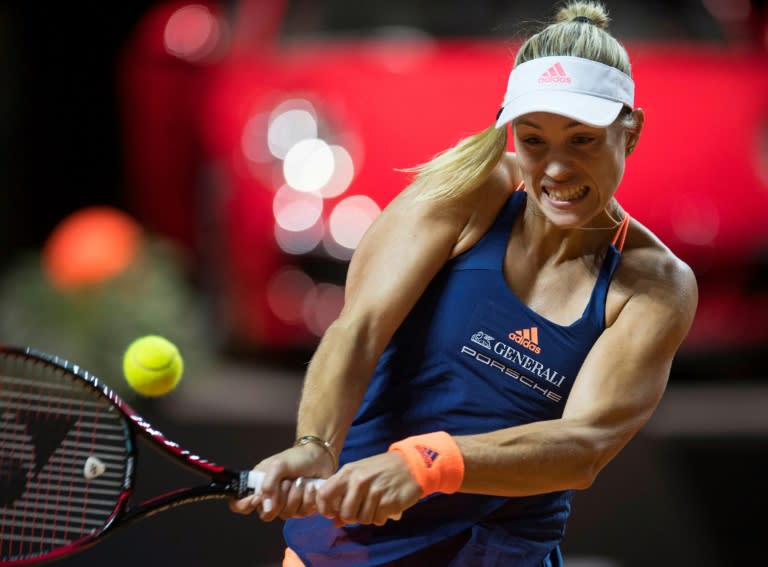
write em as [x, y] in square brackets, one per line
[572, 170]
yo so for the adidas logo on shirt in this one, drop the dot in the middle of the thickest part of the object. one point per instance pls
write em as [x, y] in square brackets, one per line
[528, 338]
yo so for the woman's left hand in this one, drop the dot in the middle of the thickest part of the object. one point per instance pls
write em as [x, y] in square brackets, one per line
[369, 491]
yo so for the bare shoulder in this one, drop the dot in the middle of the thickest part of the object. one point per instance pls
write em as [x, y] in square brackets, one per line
[652, 280]
[485, 202]
[647, 259]
[462, 218]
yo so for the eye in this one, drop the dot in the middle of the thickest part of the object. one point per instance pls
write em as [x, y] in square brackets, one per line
[532, 140]
[582, 139]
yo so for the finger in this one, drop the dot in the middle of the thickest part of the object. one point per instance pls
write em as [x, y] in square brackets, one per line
[383, 515]
[330, 509]
[264, 498]
[389, 510]
[309, 504]
[274, 489]
[294, 498]
[352, 502]
[272, 506]
[332, 512]
[308, 495]
[367, 513]
[243, 505]
[326, 498]
[272, 477]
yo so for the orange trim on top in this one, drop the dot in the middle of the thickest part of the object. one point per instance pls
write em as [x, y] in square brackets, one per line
[621, 233]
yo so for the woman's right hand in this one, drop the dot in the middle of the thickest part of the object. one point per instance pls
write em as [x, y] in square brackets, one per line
[284, 491]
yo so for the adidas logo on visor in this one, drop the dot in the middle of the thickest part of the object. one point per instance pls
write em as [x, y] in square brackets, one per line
[555, 74]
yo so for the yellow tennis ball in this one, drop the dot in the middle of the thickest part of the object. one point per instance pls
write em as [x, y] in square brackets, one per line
[152, 365]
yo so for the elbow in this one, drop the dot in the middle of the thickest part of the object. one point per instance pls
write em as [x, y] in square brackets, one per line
[584, 476]
[598, 444]
[596, 457]
[598, 453]
[587, 477]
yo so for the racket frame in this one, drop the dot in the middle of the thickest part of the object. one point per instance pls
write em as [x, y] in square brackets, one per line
[224, 483]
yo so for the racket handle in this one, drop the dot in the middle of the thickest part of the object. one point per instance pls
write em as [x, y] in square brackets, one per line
[256, 478]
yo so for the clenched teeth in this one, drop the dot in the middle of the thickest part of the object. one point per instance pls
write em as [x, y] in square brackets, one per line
[571, 194]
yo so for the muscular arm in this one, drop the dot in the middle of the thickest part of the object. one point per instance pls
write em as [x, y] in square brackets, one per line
[396, 260]
[615, 393]
[398, 257]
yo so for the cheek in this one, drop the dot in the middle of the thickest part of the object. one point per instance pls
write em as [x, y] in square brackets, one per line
[610, 163]
[619, 161]
[526, 163]
[611, 172]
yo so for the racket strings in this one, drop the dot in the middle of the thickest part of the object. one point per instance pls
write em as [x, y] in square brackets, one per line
[63, 458]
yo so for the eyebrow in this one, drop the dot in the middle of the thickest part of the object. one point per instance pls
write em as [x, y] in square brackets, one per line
[573, 124]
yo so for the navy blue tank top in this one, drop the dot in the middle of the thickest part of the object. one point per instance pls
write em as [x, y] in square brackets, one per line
[469, 358]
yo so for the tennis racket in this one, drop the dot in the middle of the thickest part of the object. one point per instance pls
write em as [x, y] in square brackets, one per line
[67, 461]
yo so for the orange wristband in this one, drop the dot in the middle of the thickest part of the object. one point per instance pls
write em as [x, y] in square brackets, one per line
[434, 460]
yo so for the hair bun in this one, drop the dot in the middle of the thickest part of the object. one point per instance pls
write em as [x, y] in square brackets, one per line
[584, 12]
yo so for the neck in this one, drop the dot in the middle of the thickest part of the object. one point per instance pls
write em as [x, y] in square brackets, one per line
[547, 243]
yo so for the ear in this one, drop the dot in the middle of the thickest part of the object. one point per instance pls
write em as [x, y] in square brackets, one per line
[634, 127]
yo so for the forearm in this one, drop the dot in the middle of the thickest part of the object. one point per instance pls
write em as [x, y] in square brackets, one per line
[537, 458]
[335, 383]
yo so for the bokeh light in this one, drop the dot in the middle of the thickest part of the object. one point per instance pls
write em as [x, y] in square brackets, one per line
[342, 175]
[253, 141]
[286, 292]
[290, 123]
[728, 10]
[90, 246]
[309, 165]
[295, 210]
[351, 218]
[322, 306]
[299, 242]
[696, 219]
[192, 33]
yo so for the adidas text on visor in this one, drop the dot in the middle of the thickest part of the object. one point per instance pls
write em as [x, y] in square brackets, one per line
[582, 89]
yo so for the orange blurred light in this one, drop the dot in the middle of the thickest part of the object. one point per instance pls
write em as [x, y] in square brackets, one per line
[90, 246]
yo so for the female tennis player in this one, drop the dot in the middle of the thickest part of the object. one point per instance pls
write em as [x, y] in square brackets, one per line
[507, 329]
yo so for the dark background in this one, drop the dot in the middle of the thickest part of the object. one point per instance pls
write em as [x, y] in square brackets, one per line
[58, 109]
[671, 498]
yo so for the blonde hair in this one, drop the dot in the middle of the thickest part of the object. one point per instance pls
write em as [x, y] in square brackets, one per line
[465, 166]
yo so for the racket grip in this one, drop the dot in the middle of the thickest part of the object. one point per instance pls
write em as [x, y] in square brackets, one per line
[256, 478]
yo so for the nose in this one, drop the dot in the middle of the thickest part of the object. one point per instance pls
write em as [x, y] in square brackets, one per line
[559, 166]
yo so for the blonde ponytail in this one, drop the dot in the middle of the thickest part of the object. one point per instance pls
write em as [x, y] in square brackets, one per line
[462, 168]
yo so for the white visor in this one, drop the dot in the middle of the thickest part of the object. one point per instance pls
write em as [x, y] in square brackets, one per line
[582, 89]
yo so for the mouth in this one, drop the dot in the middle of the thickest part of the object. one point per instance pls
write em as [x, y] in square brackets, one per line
[566, 194]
